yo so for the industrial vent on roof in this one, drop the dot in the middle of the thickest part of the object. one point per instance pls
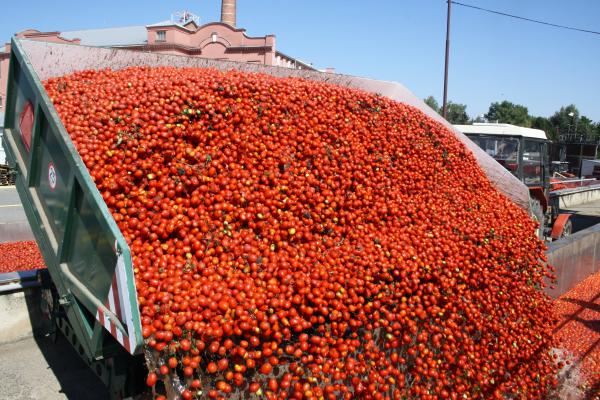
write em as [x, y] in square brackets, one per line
[183, 17]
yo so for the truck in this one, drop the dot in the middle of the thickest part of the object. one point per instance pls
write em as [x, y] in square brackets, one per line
[524, 153]
[590, 169]
[88, 290]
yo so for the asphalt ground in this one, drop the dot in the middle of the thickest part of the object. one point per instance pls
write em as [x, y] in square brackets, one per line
[11, 209]
[14, 226]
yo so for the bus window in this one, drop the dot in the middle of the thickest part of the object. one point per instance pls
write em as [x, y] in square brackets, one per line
[532, 162]
[503, 150]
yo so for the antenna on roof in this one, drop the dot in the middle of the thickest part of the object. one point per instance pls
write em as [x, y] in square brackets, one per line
[183, 17]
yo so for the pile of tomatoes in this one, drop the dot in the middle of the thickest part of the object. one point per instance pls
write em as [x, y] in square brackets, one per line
[20, 256]
[577, 331]
[296, 239]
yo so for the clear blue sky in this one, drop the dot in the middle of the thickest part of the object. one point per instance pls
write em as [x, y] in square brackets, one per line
[493, 58]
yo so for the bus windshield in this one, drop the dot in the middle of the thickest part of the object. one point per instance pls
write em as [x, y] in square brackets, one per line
[503, 150]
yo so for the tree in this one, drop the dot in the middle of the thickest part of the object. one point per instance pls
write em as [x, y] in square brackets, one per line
[585, 127]
[508, 113]
[568, 120]
[545, 125]
[432, 102]
[457, 113]
[565, 119]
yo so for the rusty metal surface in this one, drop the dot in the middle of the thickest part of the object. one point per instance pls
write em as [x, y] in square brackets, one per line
[53, 59]
[575, 258]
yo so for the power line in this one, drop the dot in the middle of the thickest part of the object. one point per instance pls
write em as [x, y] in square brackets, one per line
[524, 19]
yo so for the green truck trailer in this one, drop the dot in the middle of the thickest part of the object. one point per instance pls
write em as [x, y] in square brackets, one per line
[89, 288]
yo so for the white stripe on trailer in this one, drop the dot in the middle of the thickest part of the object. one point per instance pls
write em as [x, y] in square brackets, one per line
[112, 307]
[124, 300]
[106, 319]
[118, 309]
[103, 319]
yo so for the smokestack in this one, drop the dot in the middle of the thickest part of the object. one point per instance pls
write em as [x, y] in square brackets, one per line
[228, 12]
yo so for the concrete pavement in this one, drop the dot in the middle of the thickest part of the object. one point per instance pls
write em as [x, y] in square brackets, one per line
[40, 369]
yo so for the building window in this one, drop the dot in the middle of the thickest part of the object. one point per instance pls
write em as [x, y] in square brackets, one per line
[161, 36]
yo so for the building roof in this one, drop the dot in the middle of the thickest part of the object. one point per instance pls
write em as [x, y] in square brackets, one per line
[166, 22]
[501, 129]
[127, 35]
[296, 61]
[184, 25]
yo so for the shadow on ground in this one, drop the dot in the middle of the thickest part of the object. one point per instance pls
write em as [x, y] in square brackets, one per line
[75, 379]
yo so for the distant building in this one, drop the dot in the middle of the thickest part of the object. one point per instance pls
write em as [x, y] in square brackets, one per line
[180, 35]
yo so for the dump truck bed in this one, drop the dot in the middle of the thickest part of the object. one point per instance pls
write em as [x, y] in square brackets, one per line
[87, 256]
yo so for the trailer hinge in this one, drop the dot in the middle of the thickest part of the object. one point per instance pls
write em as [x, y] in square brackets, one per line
[65, 300]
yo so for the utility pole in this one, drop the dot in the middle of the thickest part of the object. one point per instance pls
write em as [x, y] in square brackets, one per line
[445, 101]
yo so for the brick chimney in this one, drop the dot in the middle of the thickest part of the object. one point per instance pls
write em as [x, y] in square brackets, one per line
[228, 12]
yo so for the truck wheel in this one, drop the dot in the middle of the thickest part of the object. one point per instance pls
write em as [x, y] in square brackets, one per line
[537, 214]
[567, 229]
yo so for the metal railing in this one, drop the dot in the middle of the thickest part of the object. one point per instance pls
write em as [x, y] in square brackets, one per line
[572, 183]
[12, 281]
[576, 138]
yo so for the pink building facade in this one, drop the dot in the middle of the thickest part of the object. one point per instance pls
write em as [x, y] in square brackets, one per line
[5, 57]
[181, 35]
[214, 40]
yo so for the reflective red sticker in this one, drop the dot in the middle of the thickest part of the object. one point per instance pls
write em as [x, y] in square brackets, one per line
[26, 124]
